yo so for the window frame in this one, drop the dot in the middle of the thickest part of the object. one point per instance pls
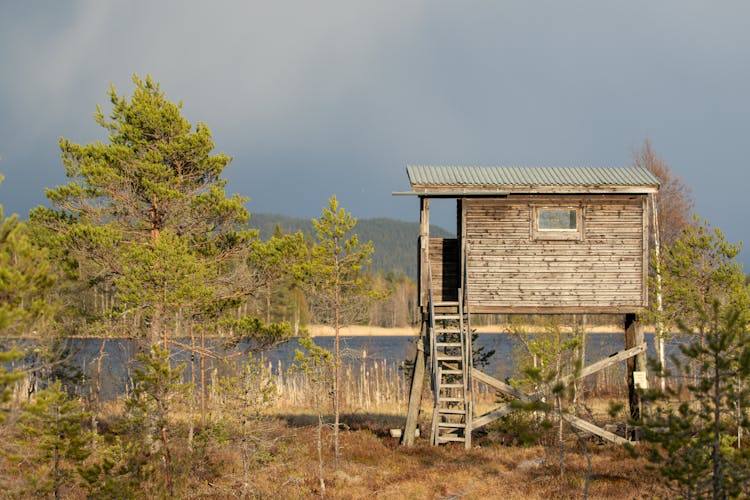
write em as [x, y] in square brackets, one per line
[556, 234]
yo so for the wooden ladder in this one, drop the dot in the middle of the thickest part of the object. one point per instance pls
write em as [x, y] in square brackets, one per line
[451, 368]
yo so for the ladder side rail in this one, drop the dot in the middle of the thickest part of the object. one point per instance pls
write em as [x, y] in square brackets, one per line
[470, 350]
[434, 371]
[465, 356]
[431, 333]
[467, 309]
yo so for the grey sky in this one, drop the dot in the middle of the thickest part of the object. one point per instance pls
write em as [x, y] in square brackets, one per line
[317, 98]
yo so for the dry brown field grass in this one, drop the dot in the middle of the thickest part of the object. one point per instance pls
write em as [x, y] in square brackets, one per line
[375, 465]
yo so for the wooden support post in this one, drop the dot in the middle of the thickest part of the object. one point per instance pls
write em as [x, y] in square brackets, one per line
[634, 337]
[424, 252]
[415, 394]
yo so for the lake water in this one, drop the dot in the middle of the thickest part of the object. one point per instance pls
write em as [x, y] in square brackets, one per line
[119, 354]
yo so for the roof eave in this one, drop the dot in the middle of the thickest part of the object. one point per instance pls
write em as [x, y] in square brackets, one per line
[458, 191]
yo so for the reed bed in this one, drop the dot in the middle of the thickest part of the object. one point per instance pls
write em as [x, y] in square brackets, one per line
[374, 384]
[366, 384]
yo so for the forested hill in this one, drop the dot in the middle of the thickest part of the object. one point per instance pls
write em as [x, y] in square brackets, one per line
[395, 241]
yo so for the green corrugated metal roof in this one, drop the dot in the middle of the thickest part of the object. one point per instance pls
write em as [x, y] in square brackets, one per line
[426, 177]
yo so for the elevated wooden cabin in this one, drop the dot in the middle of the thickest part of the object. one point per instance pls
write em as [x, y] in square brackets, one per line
[528, 240]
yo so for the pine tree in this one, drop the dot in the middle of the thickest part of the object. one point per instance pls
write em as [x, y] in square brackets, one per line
[698, 425]
[551, 358]
[700, 269]
[52, 425]
[339, 286]
[699, 452]
[151, 197]
[8, 377]
[274, 267]
[317, 363]
[149, 412]
[26, 279]
[243, 397]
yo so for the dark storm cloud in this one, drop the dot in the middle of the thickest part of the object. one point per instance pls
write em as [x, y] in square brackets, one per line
[316, 98]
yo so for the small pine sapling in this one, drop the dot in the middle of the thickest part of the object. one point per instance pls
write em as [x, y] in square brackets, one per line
[317, 363]
[52, 426]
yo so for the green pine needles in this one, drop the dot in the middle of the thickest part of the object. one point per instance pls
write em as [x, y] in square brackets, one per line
[699, 422]
[145, 220]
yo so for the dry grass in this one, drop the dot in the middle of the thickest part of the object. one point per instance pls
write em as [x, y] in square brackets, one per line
[374, 466]
[284, 458]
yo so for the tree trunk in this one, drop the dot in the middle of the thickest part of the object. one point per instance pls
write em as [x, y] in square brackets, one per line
[97, 390]
[320, 455]
[167, 461]
[717, 458]
[659, 333]
[155, 333]
[336, 379]
[268, 304]
[560, 441]
[191, 430]
[203, 377]
[56, 472]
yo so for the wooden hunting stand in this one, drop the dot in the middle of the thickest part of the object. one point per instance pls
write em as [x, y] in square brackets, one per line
[529, 241]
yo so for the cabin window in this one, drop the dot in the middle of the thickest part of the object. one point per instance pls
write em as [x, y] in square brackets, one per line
[557, 223]
[553, 219]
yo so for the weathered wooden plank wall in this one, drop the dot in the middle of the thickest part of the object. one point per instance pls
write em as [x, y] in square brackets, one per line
[444, 263]
[510, 271]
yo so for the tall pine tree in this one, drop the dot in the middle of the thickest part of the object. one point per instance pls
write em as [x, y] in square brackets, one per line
[699, 423]
[146, 213]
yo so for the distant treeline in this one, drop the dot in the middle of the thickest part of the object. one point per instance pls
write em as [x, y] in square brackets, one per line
[395, 241]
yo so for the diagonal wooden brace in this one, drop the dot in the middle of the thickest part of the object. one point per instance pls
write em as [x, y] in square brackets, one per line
[535, 396]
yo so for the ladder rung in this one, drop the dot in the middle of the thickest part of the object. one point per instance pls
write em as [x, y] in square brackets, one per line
[451, 386]
[447, 330]
[448, 344]
[451, 411]
[451, 372]
[450, 400]
[446, 439]
[446, 303]
[451, 425]
[448, 358]
[447, 316]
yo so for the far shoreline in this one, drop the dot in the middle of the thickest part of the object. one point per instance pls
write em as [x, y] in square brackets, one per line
[413, 331]
[370, 331]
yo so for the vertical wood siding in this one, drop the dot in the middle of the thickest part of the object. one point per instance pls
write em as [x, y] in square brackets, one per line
[508, 269]
[444, 260]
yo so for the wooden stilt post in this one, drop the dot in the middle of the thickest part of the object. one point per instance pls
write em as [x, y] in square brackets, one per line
[636, 364]
[417, 378]
[415, 393]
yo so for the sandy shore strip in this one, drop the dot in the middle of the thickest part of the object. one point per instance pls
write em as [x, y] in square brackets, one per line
[377, 331]
[363, 331]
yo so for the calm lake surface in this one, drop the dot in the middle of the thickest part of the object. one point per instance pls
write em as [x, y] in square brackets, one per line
[119, 354]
